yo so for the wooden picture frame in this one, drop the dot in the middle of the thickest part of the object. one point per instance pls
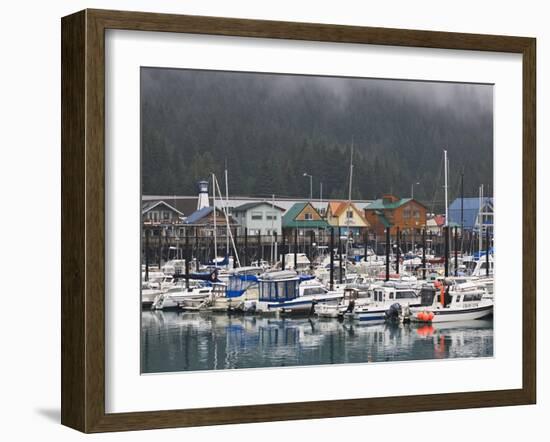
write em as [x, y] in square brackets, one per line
[83, 220]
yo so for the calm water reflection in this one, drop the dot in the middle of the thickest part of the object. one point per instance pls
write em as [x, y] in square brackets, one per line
[173, 341]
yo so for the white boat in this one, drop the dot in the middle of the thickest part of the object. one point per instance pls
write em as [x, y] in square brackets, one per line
[175, 297]
[241, 286]
[148, 296]
[385, 300]
[173, 267]
[353, 297]
[303, 263]
[287, 292]
[445, 301]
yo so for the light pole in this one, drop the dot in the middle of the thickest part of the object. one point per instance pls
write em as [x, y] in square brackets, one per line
[412, 189]
[310, 185]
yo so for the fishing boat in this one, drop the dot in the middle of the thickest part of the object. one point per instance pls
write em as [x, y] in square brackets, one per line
[387, 301]
[288, 292]
[447, 300]
[353, 297]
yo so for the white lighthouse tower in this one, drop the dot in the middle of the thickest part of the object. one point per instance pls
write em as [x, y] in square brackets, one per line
[203, 195]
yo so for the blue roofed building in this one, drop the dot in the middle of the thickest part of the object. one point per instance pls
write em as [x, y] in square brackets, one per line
[202, 222]
[472, 213]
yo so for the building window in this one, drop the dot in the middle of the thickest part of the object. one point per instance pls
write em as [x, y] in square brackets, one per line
[349, 214]
[308, 216]
[165, 215]
[257, 216]
[406, 213]
[271, 216]
[416, 214]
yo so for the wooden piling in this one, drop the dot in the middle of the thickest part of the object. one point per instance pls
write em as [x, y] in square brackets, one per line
[397, 250]
[340, 263]
[424, 253]
[296, 249]
[387, 253]
[146, 254]
[446, 233]
[456, 251]
[332, 258]
[187, 258]
[283, 250]
[246, 246]
[487, 251]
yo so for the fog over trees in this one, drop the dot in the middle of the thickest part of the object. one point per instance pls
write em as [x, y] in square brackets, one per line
[271, 128]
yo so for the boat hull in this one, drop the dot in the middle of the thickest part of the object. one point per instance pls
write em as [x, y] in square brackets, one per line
[463, 314]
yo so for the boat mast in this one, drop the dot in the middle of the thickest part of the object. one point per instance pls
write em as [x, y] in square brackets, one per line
[226, 206]
[480, 219]
[272, 228]
[226, 214]
[349, 198]
[446, 189]
[215, 216]
[462, 213]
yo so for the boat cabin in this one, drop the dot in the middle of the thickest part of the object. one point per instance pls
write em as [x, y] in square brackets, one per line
[242, 279]
[394, 293]
[279, 286]
[455, 293]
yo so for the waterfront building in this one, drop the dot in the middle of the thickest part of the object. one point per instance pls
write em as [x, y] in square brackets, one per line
[345, 215]
[305, 219]
[474, 212]
[202, 222]
[159, 213]
[260, 218]
[407, 214]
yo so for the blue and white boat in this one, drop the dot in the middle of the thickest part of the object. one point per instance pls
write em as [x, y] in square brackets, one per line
[288, 292]
[241, 287]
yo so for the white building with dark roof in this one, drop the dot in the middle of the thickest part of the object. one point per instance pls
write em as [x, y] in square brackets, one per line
[260, 218]
[160, 212]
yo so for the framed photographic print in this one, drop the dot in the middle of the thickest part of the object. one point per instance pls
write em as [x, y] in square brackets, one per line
[266, 220]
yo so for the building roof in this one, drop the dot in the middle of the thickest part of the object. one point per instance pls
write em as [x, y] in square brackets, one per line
[289, 218]
[337, 208]
[188, 204]
[198, 215]
[471, 210]
[385, 222]
[382, 203]
[146, 206]
[248, 206]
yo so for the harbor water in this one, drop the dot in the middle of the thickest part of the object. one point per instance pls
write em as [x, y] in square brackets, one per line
[180, 341]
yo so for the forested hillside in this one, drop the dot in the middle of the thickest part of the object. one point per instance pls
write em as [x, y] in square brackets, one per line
[270, 129]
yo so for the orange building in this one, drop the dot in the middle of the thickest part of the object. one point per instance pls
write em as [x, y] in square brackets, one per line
[389, 211]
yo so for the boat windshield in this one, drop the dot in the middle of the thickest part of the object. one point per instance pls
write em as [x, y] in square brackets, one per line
[405, 294]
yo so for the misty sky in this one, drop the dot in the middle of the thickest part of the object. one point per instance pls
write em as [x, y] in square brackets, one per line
[195, 120]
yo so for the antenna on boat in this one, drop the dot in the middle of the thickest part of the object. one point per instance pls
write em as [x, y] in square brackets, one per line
[480, 219]
[226, 213]
[446, 189]
[215, 216]
[226, 205]
[349, 198]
